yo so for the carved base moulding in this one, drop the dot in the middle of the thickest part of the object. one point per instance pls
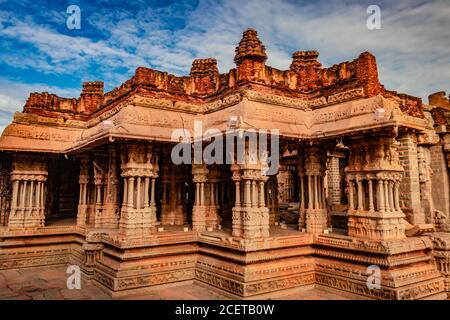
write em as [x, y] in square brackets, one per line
[376, 225]
[316, 220]
[407, 268]
[431, 289]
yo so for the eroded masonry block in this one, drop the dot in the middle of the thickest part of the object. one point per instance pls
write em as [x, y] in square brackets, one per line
[410, 186]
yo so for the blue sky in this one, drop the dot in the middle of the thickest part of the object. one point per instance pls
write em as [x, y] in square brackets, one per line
[39, 53]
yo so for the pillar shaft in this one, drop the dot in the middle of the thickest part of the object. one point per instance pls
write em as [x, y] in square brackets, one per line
[197, 194]
[391, 195]
[380, 196]
[360, 194]
[386, 195]
[202, 194]
[131, 192]
[396, 196]
[146, 191]
[138, 193]
[351, 200]
[24, 189]
[212, 194]
[371, 207]
[247, 199]
[302, 191]
[238, 194]
[262, 201]
[310, 197]
[152, 193]
[316, 201]
[31, 198]
[254, 192]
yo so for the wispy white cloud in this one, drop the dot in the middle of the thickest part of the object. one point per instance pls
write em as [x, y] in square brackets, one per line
[65, 54]
[13, 96]
[411, 48]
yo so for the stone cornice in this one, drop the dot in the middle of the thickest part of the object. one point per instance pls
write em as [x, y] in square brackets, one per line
[124, 120]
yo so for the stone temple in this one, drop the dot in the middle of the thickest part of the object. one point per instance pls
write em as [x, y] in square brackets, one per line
[363, 182]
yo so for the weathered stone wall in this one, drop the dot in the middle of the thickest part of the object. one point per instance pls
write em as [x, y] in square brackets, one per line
[410, 187]
[440, 179]
[334, 179]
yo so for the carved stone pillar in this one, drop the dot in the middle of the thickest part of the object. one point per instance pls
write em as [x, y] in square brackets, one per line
[375, 163]
[386, 196]
[172, 208]
[110, 214]
[351, 194]
[262, 208]
[28, 177]
[334, 186]
[150, 217]
[100, 165]
[251, 220]
[236, 211]
[316, 212]
[139, 164]
[165, 181]
[360, 192]
[212, 218]
[83, 180]
[200, 210]
[371, 205]
[272, 199]
[303, 194]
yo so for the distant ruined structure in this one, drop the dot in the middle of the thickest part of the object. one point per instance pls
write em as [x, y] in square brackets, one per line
[363, 180]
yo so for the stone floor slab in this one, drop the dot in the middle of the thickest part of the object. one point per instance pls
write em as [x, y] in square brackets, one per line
[49, 283]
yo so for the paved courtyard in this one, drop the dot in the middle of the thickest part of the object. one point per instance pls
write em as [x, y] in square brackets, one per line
[49, 283]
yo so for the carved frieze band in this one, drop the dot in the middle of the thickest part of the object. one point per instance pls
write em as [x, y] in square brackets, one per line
[36, 133]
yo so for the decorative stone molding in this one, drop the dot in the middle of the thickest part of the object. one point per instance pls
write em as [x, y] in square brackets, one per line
[276, 99]
[225, 102]
[346, 96]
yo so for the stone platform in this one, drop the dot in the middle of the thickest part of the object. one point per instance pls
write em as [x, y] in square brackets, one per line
[231, 267]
